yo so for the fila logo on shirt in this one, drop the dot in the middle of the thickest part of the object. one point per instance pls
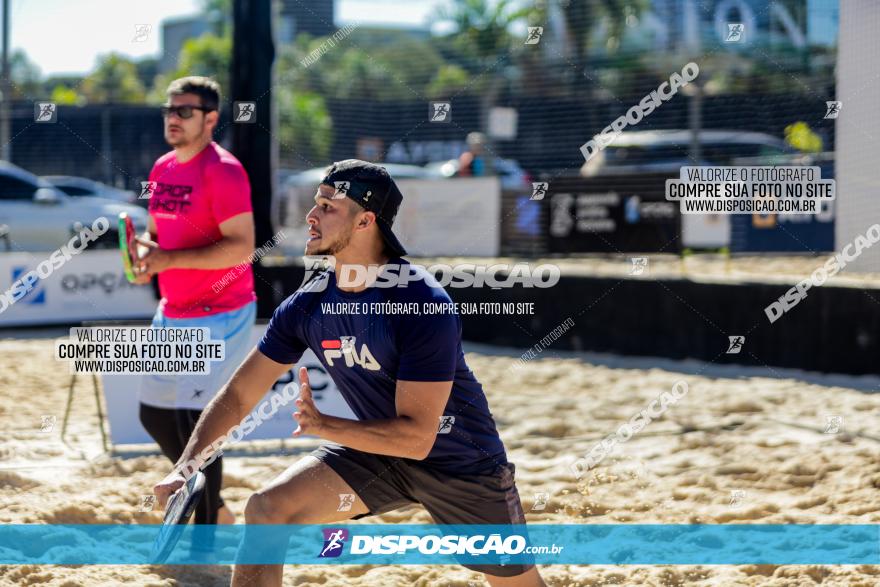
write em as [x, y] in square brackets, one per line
[344, 348]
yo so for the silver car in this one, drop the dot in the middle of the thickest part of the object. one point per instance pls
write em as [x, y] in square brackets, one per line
[36, 216]
[78, 187]
[508, 171]
[297, 190]
[666, 151]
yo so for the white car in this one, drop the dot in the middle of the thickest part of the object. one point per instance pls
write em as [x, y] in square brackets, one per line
[297, 190]
[509, 172]
[78, 187]
[36, 216]
[666, 151]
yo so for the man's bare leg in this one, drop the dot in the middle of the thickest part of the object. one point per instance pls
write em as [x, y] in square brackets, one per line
[225, 516]
[306, 493]
[530, 578]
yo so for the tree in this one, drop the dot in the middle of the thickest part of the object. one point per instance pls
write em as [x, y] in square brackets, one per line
[219, 15]
[411, 65]
[481, 30]
[581, 20]
[147, 69]
[208, 55]
[482, 34]
[25, 76]
[449, 80]
[369, 64]
[115, 80]
[62, 94]
[358, 76]
[305, 128]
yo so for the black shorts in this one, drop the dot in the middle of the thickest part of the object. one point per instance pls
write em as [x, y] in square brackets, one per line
[388, 483]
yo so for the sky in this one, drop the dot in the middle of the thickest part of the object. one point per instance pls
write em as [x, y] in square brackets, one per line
[65, 36]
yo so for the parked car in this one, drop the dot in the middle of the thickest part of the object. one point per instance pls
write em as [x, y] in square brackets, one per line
[40, 217]
[511, 175]
[658, 151]
[824, 161]
[298, 189]
[77, 187]
[396, 170]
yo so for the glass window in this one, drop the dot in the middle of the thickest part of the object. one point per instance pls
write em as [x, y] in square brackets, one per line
[74, 191]
[12, 188]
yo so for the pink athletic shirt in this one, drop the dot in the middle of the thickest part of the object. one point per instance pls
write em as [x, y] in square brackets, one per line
[189, 201]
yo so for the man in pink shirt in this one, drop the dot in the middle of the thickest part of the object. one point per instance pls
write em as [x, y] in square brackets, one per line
[201, 225]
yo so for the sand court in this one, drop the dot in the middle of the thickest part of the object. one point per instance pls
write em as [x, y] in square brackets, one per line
[744, 445]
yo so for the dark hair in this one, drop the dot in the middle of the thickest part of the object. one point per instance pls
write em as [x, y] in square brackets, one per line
[205, 88]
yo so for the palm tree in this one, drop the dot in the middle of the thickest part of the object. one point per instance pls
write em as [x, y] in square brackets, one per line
[481, 29]
[581, 17]
[482, 36]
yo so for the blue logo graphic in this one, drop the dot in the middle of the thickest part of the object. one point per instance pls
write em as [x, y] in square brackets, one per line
[37, 293]
[528, 217]
[334, 540]
[631, 209]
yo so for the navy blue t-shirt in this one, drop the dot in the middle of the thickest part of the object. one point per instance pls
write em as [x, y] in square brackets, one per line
[366, 352]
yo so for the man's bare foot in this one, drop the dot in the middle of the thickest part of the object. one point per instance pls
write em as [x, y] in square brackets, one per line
[224, 516]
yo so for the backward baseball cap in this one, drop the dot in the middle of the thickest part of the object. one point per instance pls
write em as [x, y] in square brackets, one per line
[373, 189]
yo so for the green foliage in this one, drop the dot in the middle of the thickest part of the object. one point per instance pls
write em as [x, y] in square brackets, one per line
[114, 80]
[358, 75]
[219, 15]
[582, 18]
[482, 28]
[365, 65]
[24, 74]
[208, 55]
[449, 80]
[61, 94]
[305, 129]
[147, 69]
[411, 64]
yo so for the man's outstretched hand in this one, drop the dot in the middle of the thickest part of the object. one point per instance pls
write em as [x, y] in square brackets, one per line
[310, 420]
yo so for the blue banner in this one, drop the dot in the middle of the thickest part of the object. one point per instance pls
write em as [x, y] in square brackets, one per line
[383, 544]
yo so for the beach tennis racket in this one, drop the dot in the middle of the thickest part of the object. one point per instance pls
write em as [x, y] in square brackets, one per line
[127, 245]
[179, 511]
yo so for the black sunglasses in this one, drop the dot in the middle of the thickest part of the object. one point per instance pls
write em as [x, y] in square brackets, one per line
[185, 112]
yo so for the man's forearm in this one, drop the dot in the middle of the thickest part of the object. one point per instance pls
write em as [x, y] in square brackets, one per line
[223, 254]
[222, 413]
[395, 437]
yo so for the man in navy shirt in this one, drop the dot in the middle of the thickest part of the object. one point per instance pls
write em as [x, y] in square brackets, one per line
[424, 433]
